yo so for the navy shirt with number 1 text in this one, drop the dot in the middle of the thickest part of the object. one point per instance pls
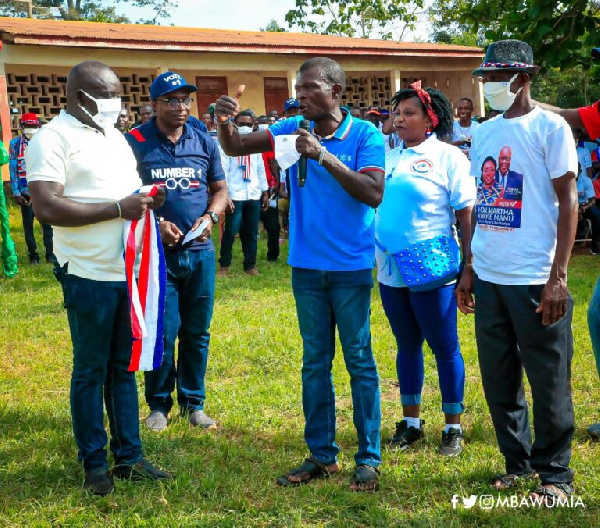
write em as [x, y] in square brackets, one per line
[185, 169]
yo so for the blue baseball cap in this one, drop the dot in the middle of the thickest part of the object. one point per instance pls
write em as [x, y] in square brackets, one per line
[596, 53]
[292, 103]
[168, 82]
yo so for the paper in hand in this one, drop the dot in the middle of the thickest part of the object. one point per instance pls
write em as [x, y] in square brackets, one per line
[195, 233]
[285, 150]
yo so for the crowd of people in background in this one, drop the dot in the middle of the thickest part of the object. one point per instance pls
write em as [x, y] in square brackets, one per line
[430, 199]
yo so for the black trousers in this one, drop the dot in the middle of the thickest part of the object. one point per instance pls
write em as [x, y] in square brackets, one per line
[510, 338]
[28, 216]
[593, 214]
[270, 219]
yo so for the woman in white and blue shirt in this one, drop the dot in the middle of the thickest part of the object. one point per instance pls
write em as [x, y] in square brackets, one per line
[427, 184]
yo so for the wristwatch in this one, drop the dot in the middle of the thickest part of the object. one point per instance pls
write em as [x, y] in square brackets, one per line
[214, 217]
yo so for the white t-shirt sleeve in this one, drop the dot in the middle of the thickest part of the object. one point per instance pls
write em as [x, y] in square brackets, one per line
[463, 192]
[46, 158]
[225, 164]
[475, 157]
[560, 152]
[262, 174]
[455, 131]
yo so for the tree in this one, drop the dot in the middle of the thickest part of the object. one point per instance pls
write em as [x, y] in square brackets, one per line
[90, 10]
[561, 33]
[384, 19]
[274, 27]
[447, 28]
[570, 88]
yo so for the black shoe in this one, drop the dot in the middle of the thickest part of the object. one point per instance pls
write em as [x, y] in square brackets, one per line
[406, 436]
[141, 470]
[99, 481]
[595, 249]
[51, 258]
[34, 260]
[452, 442]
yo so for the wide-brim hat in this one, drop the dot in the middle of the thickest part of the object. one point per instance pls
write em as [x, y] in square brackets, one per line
[509, 56]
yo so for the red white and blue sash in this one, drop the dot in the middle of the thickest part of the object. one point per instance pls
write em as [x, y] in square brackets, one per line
[147, 293]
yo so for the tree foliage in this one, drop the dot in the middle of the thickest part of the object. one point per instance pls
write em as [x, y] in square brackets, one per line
[274, 27]
[560, 32]
[90, 10]
[569, 88]
[385, 19]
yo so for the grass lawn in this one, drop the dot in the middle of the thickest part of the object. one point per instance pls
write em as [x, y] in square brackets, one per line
[226, 477]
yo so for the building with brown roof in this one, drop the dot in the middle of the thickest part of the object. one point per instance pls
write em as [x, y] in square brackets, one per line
[37, 54]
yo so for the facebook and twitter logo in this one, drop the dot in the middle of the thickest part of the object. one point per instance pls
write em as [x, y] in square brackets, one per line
[468, 502]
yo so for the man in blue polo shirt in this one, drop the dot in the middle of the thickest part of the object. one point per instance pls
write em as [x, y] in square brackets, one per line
[183, 158]
[332, 247]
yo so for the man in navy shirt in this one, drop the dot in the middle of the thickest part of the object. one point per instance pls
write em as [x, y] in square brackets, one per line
[177, 154]
[332, 247]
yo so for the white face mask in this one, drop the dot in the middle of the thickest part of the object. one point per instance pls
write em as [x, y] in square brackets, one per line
[108, 111]
[30, 132]
[263, 126]
[498, 94]
[243, 130]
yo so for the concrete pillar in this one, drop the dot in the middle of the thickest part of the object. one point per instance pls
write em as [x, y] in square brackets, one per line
[480, 103]
[395, 81]
[291, 80]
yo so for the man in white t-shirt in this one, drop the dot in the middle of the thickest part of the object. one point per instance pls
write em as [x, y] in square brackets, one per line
[520, 253]
[248, 195]
[462, 130]
[82, 177]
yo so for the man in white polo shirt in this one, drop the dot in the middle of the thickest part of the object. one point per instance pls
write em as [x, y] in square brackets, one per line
[82, 177]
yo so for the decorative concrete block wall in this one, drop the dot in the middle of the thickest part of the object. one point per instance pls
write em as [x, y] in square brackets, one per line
[45, 94]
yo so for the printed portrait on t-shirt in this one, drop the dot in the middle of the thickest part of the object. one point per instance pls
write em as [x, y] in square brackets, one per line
[499, 193]
[489, 189]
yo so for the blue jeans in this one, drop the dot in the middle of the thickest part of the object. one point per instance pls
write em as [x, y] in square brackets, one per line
[244, 220]
[188, 311]
[594, 323]
[324, 300]
[98, 314]
[430, 315]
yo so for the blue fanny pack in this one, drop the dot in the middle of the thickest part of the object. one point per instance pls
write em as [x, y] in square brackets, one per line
[427, 264]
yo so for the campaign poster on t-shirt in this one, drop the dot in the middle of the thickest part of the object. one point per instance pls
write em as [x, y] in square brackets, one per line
[499, 193]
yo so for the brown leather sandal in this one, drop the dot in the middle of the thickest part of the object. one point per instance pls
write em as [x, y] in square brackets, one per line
[312, 467]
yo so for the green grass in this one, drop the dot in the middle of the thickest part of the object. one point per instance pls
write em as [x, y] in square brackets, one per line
[226, 477]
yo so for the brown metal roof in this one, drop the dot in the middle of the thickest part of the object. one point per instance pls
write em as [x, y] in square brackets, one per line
[92, 34]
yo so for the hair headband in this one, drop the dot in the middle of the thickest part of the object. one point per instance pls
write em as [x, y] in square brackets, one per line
[426, 100]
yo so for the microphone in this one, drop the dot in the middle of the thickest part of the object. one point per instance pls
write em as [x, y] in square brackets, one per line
[305, 125]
